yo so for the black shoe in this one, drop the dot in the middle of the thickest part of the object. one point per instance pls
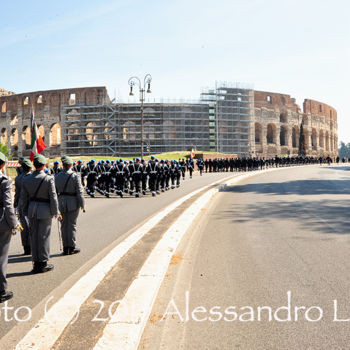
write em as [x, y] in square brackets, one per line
[45, 267]
[42, 267]
[144, 193]
[121, 194]
[4, 296]
[107, 194]
[27, 250]
[153, 194]
[137, 195]
[74, 250]
[65, 251]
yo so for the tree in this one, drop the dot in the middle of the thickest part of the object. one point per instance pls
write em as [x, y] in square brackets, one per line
[4, 149]
[302, 144]
[344, 150]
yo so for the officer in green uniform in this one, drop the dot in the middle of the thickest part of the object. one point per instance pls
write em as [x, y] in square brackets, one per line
[40, 205]
[8, 222]
[70, 200]
[26, 166]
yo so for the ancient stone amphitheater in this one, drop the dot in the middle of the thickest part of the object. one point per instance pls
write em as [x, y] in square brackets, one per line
[78, 117]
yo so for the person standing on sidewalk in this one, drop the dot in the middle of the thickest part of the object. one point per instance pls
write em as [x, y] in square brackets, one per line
[8, 222]
[40, 205]
[70, 200]
[25, 237]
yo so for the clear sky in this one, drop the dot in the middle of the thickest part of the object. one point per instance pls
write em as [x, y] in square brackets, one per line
[298, 47]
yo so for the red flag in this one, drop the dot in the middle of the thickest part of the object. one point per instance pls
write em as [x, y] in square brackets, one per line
[37, 145]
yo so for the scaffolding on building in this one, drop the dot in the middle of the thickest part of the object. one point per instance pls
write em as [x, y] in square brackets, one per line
[115, 129]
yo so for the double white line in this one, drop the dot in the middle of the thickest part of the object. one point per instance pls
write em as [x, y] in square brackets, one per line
[124, 329]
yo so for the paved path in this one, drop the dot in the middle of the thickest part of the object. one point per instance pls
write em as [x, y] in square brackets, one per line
[280, 232]
[103, 226]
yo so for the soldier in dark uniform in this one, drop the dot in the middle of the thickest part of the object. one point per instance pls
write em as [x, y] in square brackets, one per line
[178, 171]
[91, 177]
[70, 200]
[162, 175]
[79, 168]
[19, 169]
[56, 168]
[206, 163]
[182, 164]
[136, 170]
[152, 171]
[40, 205]
[25, 237]
[200, 165]
[120, 171]
[167, 174]
[144, 177]
[190, 167]
[7, 224]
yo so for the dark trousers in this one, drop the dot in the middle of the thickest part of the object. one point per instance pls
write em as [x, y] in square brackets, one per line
[120, 183]
[136, 179]
[5, 238]
[40, 230]
[152, 182]
[91, 183]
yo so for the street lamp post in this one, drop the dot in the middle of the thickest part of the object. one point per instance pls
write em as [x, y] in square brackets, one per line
[142, 89]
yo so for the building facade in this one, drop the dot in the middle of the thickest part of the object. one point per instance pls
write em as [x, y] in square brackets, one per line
[230, 118]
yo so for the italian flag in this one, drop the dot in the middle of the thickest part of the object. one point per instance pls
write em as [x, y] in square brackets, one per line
[192, 154]
[37, 145]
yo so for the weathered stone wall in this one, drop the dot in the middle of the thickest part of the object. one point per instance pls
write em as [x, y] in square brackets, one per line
[277, 121]
[15, 114]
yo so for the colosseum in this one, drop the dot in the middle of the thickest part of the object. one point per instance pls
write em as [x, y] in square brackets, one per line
[228, 119]
[277, 120]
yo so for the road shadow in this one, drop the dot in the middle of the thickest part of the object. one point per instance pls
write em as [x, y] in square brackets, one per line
[19, 274]
[298, 187]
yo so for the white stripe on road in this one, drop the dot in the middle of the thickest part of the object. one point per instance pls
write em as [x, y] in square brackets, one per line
[125, 328]
[46, 332]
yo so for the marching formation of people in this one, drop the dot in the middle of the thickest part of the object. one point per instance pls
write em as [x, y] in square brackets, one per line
[46, 193]
[133, 177]
[39, 197]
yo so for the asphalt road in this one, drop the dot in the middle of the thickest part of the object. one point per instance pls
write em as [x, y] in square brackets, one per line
[105, 224]
[279, 233]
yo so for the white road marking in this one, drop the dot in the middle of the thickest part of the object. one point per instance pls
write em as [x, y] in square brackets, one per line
[46, 332]
[125, 328]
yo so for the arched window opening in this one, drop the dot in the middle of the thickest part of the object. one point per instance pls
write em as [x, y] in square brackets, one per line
[3, 107]
[258, 133]
[14, 139]
[3, 139]
[129, 131]
[271, 133]
[26, 101]
[283, 136]
[283, 118]
[55, 135]
[26, 137]
[295, 137]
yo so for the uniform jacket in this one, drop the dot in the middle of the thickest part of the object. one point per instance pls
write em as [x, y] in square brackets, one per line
[47, 191]
[18, 188]
[74, 199]
[6, 208]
